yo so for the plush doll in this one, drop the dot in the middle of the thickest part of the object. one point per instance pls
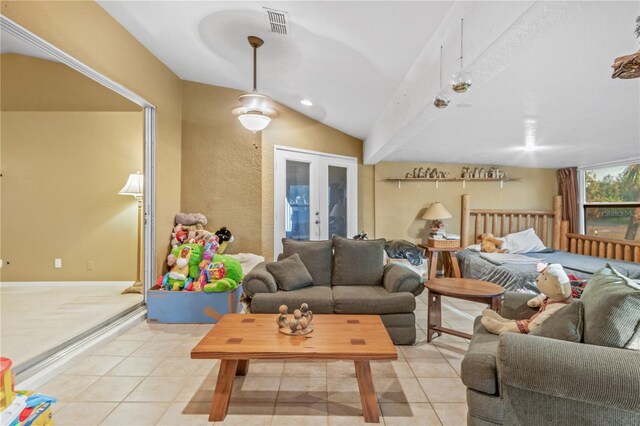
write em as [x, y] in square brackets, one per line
[224, 238]
[233, 268]
[179, 273]
[490, 244]
[555, 289]
[191, 218]
[178, 236]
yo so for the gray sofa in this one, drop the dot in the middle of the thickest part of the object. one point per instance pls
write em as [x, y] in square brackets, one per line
[517, 379]
[349, 277]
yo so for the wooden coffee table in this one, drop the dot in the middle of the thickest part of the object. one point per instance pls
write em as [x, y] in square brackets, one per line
[238, 338]
[459, 288]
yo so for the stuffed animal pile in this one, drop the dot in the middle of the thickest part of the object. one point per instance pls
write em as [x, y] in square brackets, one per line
[196, 262]
[555, 289]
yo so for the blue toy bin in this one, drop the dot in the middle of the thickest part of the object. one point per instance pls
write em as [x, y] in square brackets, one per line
[191, 307]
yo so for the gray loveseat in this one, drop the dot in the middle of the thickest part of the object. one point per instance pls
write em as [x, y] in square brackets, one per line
[349, 277]
[517, 379]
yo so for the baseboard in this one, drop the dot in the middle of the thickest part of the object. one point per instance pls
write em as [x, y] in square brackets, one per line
[65, 283]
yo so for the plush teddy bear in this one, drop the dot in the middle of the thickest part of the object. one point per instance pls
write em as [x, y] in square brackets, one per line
[490, 244]
[225, 237]
[555, 289]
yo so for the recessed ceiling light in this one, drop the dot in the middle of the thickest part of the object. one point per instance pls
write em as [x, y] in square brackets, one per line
[306, 102]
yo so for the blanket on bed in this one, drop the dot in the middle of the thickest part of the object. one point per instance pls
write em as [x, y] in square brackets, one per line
[518, 277]
[502, 258]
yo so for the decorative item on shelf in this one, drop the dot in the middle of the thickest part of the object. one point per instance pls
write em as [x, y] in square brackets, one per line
[442, 99]
[628, 66]
[436, 213]
[461, 81]
[255, 110]
[299, 325]
[134, 188]
[464, 174]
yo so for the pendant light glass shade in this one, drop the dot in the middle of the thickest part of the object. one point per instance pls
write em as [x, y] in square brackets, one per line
[255, 110]
[254, 121]
[442, 99]
[461, 82]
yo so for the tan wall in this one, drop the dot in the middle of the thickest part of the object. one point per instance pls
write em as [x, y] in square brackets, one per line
[33, 84]
[61, 174]
[399, 210]
[227, 172]
[84, 30]
[220, 165]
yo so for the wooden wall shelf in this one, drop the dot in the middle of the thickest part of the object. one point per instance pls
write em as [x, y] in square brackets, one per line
[456, 179]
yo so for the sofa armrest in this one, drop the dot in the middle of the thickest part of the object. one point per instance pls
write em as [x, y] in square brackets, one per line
[514, 305]
[593, 374]
[259, 280]
[399, 278]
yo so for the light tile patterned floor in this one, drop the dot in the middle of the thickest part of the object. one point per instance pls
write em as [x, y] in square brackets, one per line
[145, 377]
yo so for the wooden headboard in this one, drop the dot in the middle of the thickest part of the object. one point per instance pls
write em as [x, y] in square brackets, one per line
[503, 222]
[549, 227]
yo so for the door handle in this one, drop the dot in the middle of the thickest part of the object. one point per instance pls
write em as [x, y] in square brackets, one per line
[317, 222]
[317, 213]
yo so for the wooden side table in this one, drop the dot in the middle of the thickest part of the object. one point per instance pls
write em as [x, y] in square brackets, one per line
[448, 254]
[459, 288]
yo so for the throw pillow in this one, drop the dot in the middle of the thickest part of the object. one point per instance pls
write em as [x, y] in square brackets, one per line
[566, 324]
[290, 273]
[358, 262]
[611, 310]
[316, 256]
[523, 242]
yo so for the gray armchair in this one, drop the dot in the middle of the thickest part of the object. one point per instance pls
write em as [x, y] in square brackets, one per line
[350, 280]
[517, 379]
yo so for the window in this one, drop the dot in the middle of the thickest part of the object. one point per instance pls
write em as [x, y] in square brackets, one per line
[612, 201]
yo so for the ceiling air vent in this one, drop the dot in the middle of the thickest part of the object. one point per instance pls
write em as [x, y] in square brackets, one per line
[278, 21]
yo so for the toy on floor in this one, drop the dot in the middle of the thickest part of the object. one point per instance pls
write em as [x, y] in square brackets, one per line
[555, 289]
[21, 408]
[490, 244]
[224, 273]
[184, 261]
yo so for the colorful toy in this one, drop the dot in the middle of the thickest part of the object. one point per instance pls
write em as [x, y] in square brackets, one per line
[232, 266]
[225, 238]
[555, 289]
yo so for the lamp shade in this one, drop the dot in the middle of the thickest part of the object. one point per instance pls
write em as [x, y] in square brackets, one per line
[134, 185]
[436, 211]
[254, 121]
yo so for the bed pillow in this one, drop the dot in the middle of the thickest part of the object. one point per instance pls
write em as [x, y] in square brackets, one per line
[523, 242]
[290, 273]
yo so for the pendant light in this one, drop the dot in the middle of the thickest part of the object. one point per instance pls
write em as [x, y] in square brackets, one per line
[255, 110]
[460, 82]
[443, 99]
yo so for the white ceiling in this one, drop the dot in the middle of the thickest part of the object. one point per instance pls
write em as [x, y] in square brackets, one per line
[371, 69]
[346, 57]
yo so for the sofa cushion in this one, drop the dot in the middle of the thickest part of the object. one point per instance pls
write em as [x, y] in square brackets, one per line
[611, 310]
[371, 300]
[478, 369]
[357, 262]
[318, 298]
[565, 324]
[290, 273]
[316, 256]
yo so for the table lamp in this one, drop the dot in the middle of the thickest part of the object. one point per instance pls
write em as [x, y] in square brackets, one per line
[435, 213]
[134, 188]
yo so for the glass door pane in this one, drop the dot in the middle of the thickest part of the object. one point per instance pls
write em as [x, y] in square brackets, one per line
[337, 201]
[297, 209]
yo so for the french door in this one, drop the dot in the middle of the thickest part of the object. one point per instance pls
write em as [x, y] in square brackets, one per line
[315, 196]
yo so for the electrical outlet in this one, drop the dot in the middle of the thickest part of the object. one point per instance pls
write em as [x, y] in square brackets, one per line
[57, 263]
[90, 265]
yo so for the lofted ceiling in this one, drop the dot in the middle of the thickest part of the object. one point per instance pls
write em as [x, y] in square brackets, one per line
[541, 72]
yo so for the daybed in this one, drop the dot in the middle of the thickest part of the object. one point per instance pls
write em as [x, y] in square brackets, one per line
[580, 255]
[348, 277]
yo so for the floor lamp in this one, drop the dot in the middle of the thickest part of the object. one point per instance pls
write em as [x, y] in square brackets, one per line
[134, 188]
